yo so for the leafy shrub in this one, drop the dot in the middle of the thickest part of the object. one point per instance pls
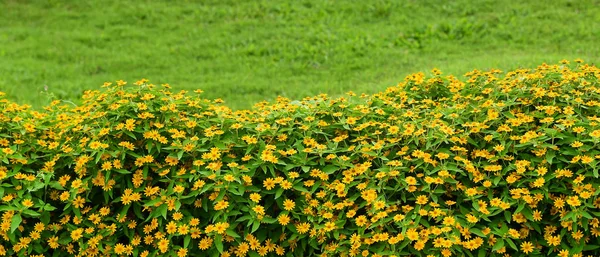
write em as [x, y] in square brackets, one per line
[435, 166]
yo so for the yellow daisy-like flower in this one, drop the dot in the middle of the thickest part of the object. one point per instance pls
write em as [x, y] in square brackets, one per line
[255, 197]
[288, 205]
[220, 205]
[527, 247]
[27, 203]
[283, 219]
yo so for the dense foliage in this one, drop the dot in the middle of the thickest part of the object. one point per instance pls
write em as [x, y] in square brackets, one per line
[497, 164]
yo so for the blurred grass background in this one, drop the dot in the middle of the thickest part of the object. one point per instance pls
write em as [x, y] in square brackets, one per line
[248, 51]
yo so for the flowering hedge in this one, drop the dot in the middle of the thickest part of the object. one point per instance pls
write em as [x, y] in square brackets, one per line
[498, 164]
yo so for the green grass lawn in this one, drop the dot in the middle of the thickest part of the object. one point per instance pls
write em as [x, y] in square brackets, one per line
[248, 51]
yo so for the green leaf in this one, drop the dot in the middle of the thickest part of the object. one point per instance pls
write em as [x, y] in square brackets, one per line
[300, 188]
[527, 213]
[497, 180]
[8, 208]
[278, 193]
[38, 248]
[520, 208]
[498, 245]
[123, 171]
[504, 229]
[56, 185]
[549, 156]
[98, 156]
[152, 202]
[507, 216]
[186, 241]
[255, 226]
[237, 191]
[15, 222]
[129, 134]
[31, 213]
[138, 212]
[45, 218]
[477, 232]
[36, 186]
[482, 253]
[270, 220]
[590, 247]
[232, 233]
[330, 169]
[219, 243]
[220, 196]
[586, 214]
[163, 211]
[568, 216]
[219, 145]
[512, 244]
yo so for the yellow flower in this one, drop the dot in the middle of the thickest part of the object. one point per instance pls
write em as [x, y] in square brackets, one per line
[527, 247]
[79, 202]
[361, 220]
[553, 240]
[586, 159]
[329, 226]
[106, 166]
[171, 227]
[119, 248]
[288, 205]
[27, 203]
[563, 253]
[269, 183]
[303, 227]
[573, 201]
[422, 200]
[471, 191]
[163, 245]
[369, 195]
[471, 218]
[53, 242]
[77, 234]
[595, 133]
[178, 189]
[229, 178]
[76, 184]
[205, 243]
[259, 210]
[221, 227]
[449, 221]
[283, 219]
[410, 180]
[412, 234]
[419, 245]
[182, 252]
[577, 235]
[255, 197]
[220, 205]
[578, 129]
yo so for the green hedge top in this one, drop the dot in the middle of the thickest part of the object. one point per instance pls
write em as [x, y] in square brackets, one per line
[497, 164]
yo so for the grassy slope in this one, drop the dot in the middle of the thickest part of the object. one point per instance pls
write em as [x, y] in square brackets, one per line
[248, 51]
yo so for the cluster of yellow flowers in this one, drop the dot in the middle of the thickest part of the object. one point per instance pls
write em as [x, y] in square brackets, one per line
[494, 165]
